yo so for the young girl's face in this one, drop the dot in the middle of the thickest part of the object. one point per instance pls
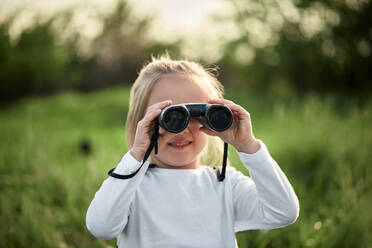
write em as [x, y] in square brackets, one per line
[180, 150]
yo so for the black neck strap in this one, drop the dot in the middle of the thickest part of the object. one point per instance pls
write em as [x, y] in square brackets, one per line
[154, 144]
[221, 175]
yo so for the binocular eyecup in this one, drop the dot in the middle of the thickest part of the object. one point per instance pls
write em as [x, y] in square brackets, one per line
[175, 118]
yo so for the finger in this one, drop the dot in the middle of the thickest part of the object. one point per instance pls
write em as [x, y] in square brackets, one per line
[220, 101]
[152, 113]
[150, 117]
[154, 110]
[239, 111]
[235, 108]
[159, 105]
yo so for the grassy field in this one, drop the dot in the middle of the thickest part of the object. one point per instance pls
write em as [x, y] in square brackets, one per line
[47, 182]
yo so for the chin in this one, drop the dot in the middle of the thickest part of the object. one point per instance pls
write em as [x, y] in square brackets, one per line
[177, 162]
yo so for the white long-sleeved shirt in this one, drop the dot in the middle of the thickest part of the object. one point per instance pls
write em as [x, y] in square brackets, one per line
[189, 207]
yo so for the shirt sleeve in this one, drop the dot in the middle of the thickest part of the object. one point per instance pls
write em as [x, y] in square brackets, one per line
[108, 212]
[267, 199]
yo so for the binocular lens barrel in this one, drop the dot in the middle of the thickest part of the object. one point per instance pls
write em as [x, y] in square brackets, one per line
[175, 120]
[219, 119]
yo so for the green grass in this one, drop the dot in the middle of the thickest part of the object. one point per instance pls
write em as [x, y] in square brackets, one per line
[46, 183]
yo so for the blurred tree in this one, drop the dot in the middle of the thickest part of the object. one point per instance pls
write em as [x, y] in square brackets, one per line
[301, 46]
[121, 48]
[118, 50]
[45, 58]
[36, 62]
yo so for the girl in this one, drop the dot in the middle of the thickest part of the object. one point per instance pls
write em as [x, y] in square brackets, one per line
[179, 202]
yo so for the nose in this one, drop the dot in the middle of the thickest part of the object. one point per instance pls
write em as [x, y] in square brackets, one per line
[192, 127]
[194, 123]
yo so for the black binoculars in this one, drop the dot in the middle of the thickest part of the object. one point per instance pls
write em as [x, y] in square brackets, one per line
[175, 118]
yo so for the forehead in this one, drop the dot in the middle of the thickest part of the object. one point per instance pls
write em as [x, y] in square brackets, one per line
[179, 89]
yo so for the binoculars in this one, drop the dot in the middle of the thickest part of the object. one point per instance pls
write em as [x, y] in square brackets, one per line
[175, 118]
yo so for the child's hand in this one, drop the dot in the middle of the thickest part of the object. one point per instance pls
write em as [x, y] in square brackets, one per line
[240, 133]
[144, 129]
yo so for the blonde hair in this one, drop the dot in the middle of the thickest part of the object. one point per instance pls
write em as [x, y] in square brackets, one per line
[141, 90]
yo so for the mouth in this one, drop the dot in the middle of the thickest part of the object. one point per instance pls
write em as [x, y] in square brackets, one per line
[180, 145]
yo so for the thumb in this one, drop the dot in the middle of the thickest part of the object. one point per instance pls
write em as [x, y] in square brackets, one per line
[208, 131]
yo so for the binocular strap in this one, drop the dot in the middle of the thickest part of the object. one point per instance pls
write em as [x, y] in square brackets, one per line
[154, 144]
[221, 174]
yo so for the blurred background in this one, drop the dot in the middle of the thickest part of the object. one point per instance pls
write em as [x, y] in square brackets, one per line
[302, 68]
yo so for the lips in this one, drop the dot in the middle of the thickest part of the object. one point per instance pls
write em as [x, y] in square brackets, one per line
[180, 144]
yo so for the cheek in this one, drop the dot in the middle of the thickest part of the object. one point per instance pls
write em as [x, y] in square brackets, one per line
[201, 139]
[163, 139]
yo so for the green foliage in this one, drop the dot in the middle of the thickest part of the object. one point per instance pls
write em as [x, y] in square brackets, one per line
[47, 181]
[324, 150]
[282, 47]
[301, 46]
[36, 62]
[44, 59]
